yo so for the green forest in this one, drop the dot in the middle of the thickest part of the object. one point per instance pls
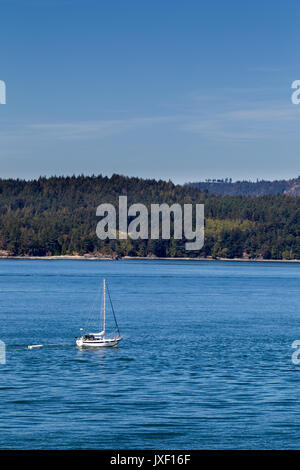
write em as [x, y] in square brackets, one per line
[57, 216]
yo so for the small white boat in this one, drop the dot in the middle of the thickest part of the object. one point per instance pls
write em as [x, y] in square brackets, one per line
[35, 346]
[99, 340]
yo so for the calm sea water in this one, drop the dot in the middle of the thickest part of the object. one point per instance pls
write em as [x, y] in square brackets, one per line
[205, 362]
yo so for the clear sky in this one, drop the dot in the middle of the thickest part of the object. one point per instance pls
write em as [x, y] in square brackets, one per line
[180, 90]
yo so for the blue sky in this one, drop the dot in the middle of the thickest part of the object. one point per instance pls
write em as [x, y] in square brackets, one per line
[166, 89]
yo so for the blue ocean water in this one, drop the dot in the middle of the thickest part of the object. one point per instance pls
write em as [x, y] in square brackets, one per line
[205, 362]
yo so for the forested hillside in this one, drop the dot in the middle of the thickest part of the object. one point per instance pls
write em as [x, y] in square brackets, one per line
[57, 216]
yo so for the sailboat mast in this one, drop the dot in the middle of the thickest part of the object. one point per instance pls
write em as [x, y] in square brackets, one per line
[104, 319]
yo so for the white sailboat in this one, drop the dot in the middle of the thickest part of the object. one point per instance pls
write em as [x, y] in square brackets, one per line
[99, 340]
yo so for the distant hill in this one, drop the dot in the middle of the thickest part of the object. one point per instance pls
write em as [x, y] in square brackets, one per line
[249, 188]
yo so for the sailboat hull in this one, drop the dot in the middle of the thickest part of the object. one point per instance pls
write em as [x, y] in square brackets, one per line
[97, 343]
